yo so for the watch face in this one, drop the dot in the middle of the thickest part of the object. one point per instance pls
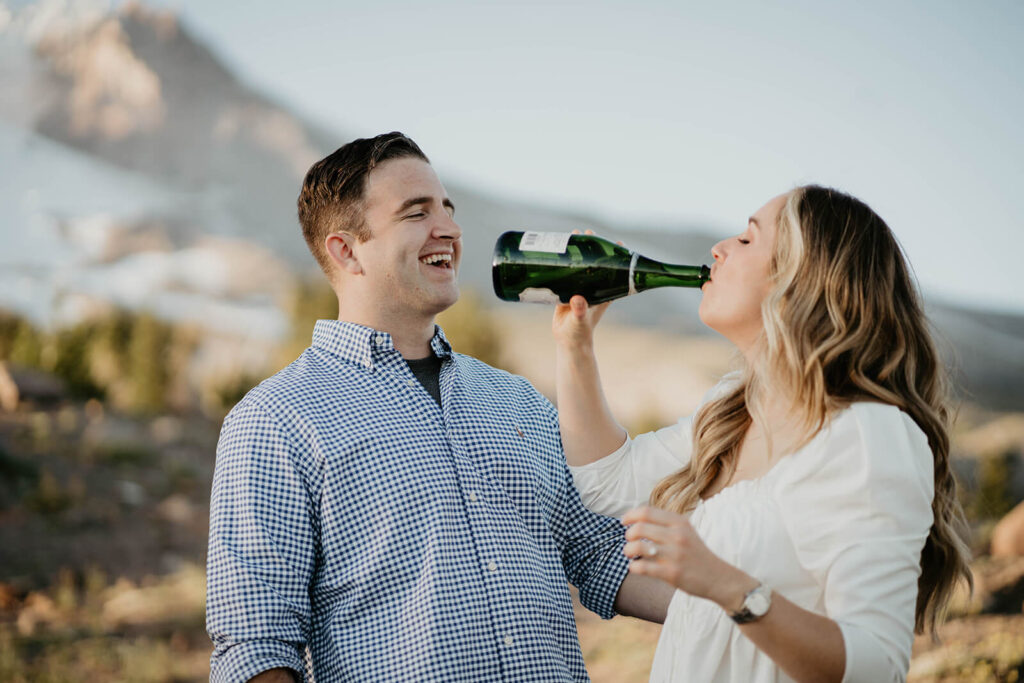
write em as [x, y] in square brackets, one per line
[758, 603]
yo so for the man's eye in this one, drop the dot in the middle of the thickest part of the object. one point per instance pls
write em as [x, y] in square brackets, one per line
[418, 214]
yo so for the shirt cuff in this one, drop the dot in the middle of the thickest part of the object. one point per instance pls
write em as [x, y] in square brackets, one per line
[866, 662]
[599, 595]
[239, 663]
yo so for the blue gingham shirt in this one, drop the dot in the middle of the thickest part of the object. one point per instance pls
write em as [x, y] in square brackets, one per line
[359, 531]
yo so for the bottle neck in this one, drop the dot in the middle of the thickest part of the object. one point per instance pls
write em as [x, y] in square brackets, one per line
[647, 274]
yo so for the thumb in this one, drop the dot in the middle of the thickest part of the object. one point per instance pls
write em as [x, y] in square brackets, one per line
[579, 305]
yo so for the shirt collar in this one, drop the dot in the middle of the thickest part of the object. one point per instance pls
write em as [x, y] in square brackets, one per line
[362, 345]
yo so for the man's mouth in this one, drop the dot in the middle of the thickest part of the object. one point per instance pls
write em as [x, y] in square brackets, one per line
[437, 260]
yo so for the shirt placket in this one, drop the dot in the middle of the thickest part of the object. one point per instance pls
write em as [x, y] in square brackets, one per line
[486, 511]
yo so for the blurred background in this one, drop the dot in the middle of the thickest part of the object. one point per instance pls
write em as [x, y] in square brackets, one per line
[152, 268]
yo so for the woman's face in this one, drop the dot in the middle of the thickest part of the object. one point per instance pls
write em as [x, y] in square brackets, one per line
[731, 301]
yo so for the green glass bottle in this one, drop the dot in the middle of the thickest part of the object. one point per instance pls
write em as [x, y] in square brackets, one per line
[550, 267]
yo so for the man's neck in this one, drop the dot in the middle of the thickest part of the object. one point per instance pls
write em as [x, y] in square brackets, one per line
[411, 335]
[412, 344]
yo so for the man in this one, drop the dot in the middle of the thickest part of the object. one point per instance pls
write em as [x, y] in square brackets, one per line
[387, 509]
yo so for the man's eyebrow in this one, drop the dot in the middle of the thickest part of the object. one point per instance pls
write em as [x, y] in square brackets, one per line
[409, 203]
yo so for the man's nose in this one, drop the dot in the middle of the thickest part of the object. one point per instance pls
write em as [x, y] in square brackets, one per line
[447, 228]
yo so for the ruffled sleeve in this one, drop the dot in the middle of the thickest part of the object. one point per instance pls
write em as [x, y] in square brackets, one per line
[857, 505]
[624, 479]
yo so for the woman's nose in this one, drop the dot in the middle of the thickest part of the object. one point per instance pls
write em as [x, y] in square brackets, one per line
[718, 251]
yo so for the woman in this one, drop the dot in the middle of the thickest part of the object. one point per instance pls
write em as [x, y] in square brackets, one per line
[807, 512]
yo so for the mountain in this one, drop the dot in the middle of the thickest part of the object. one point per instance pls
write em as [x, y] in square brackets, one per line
[138, 171]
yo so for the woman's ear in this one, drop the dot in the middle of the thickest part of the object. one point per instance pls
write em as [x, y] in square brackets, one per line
[339, 247]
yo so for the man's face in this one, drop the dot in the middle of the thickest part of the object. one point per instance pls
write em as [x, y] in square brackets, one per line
[412, 257]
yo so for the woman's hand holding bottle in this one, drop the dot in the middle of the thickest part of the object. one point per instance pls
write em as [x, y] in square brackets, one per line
[573, 324]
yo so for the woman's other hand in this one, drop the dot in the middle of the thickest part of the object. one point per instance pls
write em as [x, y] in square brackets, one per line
[666, 546]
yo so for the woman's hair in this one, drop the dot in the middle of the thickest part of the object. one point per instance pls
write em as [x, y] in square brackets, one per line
[843, 322]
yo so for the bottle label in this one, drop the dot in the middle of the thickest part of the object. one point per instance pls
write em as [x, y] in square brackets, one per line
[538, 295]
[551, 242]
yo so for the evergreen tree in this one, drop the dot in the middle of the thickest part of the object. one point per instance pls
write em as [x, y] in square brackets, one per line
[147, 363]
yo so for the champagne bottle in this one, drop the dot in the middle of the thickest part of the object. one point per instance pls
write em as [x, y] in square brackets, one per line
[550, 267]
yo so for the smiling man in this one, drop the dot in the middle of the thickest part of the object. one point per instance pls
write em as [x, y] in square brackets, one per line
[385, 508]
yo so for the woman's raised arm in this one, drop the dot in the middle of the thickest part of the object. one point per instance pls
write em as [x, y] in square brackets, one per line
[589, 430]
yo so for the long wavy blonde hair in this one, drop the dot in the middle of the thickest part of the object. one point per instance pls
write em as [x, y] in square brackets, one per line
[843, 322]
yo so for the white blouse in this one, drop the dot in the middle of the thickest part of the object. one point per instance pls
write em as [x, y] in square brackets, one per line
[836, 527]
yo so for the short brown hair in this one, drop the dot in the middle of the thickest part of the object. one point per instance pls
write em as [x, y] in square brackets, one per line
[332, 192]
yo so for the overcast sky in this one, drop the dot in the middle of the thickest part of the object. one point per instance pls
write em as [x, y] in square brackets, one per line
[674, 112]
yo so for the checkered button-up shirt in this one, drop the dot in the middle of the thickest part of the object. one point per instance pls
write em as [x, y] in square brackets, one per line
[361, 532]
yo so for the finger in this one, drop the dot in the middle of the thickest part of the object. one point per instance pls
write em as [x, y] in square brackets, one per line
[579, 305]
[588, 231]
[576, 231]
[655, 532]
[644, 548]
[647, 513]
[658, 570]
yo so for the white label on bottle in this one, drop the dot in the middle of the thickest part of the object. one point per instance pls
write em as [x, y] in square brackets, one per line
[551, 242]
[538, 295]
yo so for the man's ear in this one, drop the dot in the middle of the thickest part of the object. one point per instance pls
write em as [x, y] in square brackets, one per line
[339, 249]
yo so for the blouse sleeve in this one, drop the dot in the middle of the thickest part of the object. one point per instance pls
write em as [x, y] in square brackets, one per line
[859, 511]
[625, 478]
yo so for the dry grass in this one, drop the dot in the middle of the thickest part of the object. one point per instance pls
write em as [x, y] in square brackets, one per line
[84, 629]
[122, 503]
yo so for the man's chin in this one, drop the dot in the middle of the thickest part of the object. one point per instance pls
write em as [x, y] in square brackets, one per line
[443, 303]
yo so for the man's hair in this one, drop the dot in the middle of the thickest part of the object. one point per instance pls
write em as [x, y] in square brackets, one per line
[332, 193]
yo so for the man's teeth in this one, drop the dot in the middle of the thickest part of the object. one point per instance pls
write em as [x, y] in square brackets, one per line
[436, 258]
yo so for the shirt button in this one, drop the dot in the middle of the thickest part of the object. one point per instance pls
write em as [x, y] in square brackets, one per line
[508, 640]
[367, 363]
[493, 566]
[472, 497]
[410, 382]
[379, 339]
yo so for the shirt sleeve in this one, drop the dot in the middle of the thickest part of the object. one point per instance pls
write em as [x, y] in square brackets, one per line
[625, 478]
[590, 544]
[592, 556]
[859, 512]
[261, 551]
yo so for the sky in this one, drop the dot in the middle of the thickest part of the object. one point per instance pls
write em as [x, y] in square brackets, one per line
[678, 113]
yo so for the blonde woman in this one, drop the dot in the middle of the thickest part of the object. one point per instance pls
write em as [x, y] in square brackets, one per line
[806, 513]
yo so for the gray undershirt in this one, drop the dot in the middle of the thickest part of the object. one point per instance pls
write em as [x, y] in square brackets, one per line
[428, 372]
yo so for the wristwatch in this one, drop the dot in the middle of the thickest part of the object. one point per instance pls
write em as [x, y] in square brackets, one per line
[756, 604]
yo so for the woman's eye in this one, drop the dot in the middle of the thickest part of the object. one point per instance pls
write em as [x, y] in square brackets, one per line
[743, 241]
